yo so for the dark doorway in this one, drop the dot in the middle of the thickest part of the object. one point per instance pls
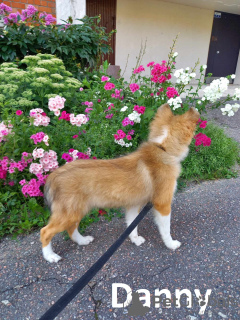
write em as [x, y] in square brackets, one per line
[107, 10]
[224, 44]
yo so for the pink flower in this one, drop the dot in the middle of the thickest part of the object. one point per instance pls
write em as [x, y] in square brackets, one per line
[104, 78]
[171, 92]
[109, 86]
[99, 100]
[202, 139]
[203, 124]
[126, 122]
[22, 182]
[134, 87]
[19, 112]
[121, 134]
[150, 64]
[109, 116]
[140, 110]
[3, 173]
[139, 69]
[129, 137]
[75, 136]
[88, 110]
[81, 89]
[116, 136]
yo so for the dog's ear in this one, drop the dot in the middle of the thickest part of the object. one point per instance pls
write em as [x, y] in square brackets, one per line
[193, 114]
[164, 110]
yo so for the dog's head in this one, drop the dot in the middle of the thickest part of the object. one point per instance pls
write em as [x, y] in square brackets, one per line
[174, 132]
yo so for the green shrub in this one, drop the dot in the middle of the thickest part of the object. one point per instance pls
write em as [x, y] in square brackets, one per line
[213, 162]
[44, 77]
[79, 45]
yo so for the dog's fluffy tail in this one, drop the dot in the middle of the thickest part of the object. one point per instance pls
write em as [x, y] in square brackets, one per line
[48, 197]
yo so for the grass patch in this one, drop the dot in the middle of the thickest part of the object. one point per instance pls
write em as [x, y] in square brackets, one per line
[213, 162]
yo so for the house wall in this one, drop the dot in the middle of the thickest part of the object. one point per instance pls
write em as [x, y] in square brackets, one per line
[159, 22]
[48, 6]
[75, 9]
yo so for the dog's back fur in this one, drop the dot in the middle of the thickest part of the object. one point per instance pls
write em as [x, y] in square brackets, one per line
[147, 175]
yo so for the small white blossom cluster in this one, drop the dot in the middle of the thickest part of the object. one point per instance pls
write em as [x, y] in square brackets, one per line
[124, 108]
[230, 109]
[175, 102]
[237, 94]
[122, 143]
[89, 152]
[78, 120]
[135, 116]
[183, 76]
[216, 89]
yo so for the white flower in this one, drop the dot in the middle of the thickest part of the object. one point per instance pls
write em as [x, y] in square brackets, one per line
[135, 116]
[183, 76]
[230, 109]
[122, 143]
[175, 54]
[204, 66]
[235, 107]
[203, 98]
[233, 76]
[124, 108]
[216, 89]
[199, 102]
[237, 94]
[175, 102]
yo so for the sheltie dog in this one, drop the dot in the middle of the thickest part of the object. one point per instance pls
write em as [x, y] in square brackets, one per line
[147, 175]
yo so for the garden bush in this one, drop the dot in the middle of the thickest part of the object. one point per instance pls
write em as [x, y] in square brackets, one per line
[30, 32]
[101, 118]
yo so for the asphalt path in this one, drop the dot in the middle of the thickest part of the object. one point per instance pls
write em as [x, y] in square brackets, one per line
[205, 218]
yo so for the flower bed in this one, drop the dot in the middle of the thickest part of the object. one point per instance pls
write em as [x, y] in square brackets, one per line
[49, 118]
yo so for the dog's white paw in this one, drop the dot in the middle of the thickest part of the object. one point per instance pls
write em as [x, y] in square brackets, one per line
[173, 245]
[52, 257]
[137, 240]
[49, 255]
[83, 241]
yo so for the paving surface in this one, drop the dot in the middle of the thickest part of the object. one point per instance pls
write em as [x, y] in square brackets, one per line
[205, 218]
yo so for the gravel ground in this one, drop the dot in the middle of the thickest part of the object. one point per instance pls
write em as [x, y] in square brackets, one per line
[205, 219]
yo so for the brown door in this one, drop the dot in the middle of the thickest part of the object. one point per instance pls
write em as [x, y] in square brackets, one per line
[107, 10]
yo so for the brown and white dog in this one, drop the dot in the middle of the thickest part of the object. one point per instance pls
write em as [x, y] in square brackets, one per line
[147, 175]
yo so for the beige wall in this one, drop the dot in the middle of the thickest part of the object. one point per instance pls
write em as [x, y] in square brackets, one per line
[159, 22]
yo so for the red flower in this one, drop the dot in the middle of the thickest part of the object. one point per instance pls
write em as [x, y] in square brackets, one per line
[102, 212]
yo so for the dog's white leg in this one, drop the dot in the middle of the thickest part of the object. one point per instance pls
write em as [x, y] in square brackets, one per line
[131, 214]
[49, 255]
[163, 223]
[79, 239]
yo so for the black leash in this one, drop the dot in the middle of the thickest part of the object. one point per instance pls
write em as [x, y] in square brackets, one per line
[83, 281]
